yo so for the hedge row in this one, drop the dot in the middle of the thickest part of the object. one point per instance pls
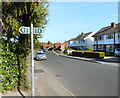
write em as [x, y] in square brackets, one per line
[89, 54]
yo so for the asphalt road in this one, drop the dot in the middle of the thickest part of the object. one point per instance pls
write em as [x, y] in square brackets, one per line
[82, 78]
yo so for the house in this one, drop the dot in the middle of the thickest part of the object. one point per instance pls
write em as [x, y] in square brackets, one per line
[44, 45]
[50, 45]
[82, 41]
[64, 45]
[57, 45]
[107, 39]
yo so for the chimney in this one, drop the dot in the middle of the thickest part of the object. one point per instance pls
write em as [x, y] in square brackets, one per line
[113, 24]
[82, 33]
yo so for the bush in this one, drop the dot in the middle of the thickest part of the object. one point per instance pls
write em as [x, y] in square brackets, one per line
[70, 54]
[52, 50]
[88, 54]
[78, 53]
[89, 49]
[94, 54]
[109, 54]
[66, 49]
[13, 70]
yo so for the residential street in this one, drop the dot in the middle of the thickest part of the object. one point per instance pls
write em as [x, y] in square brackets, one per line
[82, 78]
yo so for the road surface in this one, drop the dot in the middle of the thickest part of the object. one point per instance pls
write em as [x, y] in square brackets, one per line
[82, 78]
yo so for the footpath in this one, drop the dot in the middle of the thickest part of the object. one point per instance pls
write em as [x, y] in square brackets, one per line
[45, 85]
[109, 60]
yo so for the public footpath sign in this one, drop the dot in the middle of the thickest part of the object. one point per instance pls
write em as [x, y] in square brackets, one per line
[28, 30]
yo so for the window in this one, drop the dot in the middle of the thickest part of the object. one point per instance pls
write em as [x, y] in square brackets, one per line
[69, 42]
[101, 38]
[109, 48]
[95, 38]
[100, 47]
[74, 42]
[83, 41]
[118, 36]
[110, 36]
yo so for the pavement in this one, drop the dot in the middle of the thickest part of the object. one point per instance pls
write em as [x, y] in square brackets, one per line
[45, 85]
[109, 60]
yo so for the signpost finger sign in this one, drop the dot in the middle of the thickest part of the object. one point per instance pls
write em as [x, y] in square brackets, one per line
[27, 30]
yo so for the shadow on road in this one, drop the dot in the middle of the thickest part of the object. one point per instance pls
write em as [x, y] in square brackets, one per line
[110, 60]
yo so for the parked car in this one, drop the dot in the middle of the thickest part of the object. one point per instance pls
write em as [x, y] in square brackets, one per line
[70, 51]
[45, 50]
[40, 55]
[40, 49]
[117, 52]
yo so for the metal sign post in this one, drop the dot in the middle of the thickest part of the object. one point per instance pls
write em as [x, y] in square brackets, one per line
[27, 30]
[32, 59]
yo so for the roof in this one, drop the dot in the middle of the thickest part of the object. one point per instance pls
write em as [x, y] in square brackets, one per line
[72, 39]
[81, 37]
[108, 30]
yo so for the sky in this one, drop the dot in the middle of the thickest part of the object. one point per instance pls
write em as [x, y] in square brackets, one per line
[68, 19]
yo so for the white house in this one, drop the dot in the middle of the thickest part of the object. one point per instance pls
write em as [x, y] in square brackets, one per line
[84, 40]
[107, 38]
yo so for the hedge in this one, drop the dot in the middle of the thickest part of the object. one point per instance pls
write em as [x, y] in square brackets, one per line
[76, 53]
[94, 54]
[79, 53]
[88, 54]
[13, 70]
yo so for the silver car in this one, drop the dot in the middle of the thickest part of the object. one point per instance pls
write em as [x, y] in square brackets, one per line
[40, 55]
[117, 52]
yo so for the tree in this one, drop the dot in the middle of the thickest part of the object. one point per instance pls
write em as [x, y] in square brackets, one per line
[48, 42]
[16, 46]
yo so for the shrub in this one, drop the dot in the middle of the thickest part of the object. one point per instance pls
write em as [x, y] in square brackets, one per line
[66, 49]
[70, 53]
[89, 49]
[13, 70]
[78, 53]
[94, 54]
[52, 50]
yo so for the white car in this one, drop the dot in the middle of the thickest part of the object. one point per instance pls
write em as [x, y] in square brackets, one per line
[70, 51]
[40, 55]
[117, 52]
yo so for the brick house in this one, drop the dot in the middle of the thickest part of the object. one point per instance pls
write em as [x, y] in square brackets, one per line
[63, 45]
[44, 45]
[57, 45]
[50, 45]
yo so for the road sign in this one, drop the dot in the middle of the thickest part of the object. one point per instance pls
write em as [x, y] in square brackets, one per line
[26, 30]
[37, 31]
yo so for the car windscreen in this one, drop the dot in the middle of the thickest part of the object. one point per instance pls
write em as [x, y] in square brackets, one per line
[118, 49]
[40, 53]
